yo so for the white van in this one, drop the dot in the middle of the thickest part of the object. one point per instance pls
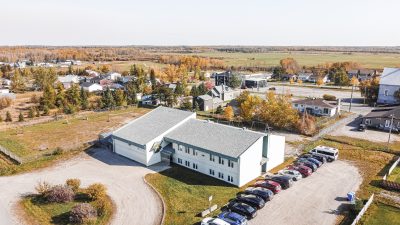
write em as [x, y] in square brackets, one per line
[331, 154]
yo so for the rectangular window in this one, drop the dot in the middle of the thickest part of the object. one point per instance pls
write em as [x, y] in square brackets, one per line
[230, 163]
[326, 111]
[230, 178]
[296, 105]
[386, 92]
[387, 123]
[187, 163]
[212, 158]
[195, 166]
[187, 150]
[211, 172]
[220, 160]
[220, 175]
[181, 147]
[193, 151]
[368, 121]
[179, 161]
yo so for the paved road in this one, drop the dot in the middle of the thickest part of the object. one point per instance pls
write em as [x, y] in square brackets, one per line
[135, 201]
[313, 200]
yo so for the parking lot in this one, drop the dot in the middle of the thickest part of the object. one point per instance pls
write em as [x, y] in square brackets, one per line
[312, 200]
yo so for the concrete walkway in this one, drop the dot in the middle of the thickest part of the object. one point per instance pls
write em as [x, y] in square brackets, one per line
[136, 203]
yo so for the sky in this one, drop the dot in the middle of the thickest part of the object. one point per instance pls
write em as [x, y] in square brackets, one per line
[201, 22]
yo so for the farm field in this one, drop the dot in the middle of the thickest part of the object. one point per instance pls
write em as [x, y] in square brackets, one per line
[306, 58]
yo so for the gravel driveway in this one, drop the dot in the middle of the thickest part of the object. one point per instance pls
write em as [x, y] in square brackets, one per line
[313, 200]
[136, 202]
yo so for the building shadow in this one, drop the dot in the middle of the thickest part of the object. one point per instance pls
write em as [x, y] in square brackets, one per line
[342, 209]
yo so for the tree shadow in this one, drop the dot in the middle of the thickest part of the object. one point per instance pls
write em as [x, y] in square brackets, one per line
[62, 219]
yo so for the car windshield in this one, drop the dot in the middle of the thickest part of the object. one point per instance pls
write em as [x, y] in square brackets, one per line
[248, 208]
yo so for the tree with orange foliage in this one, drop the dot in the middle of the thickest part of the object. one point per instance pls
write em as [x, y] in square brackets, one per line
[290, 65]
[228, 113]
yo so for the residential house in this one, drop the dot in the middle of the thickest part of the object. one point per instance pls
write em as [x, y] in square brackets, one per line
[223, 92]
[5, 82]
[113, 76]
[304, 76]
[91, 87]
[92, 73]
[233, 155]
[314, 78]
[289, 77]
[389, 83]
[68, 80]
[224, 78]
[206, 102]
[255, 82]
[4, 90]
[381, 118]
[318, 107]
[361, 74]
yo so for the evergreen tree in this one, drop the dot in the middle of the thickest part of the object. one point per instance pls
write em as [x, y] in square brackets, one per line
[84, 99]
[49, 97]
[17, 82]
[194, 91]
[31, 113]
[130, 92]
[74, 96]
[37, 112]
[179, 89]
[1, 119]
[108, 99]
[8, 117]
[46, 110]
[196, 106]
[119, 97]
[20, 117]
[202, 90]
[60, 96]
[219, 110]
[153, 79]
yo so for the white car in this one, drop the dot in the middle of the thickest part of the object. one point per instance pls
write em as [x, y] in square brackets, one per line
[213, 221]
[294, 174]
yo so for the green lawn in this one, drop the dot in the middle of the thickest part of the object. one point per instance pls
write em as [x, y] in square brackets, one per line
[380, 214]
[37, 211]
[305, 58]
[395, 175]
[186, 193]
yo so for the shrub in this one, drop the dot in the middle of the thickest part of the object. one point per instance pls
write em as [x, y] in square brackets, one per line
[357, 207]
[82, 213]
[74, 184]
[21, 117]
[8, 117]
[102, 206]
[328, 97]
[60, 193]
[43, 188]
[5, 102]
[58, 151]
[96, 191]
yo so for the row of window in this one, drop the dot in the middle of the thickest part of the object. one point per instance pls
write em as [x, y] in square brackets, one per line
[211, 171]
[221, 175]
[187, 164]
[221, 160]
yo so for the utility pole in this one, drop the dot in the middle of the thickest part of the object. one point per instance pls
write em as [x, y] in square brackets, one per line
[390, 131]
[351, 98]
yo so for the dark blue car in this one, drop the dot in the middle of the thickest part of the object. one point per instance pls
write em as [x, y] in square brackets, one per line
[233, 218]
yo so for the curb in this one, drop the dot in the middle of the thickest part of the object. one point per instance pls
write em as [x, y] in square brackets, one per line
[159, 196]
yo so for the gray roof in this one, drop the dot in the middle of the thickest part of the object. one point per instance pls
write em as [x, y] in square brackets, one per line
[390, 76]
[315, 102]
[205, 97]
[151, 125]
[86, 84]
[225, 140]
[384, 113]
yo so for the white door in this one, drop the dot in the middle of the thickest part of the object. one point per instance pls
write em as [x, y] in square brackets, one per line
[130, 151]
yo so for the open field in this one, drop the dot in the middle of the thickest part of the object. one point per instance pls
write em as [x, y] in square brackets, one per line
[380, 213]
[305, 58]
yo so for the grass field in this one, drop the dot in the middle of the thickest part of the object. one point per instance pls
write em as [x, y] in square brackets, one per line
[395, 175]
[379, 214]
[37, 211]
[186, 193]
[366, 60]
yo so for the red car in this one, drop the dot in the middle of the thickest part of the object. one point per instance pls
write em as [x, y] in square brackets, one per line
[304, 170]
[269, 184]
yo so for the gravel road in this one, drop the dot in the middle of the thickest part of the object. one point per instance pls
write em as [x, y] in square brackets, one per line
[135, 201]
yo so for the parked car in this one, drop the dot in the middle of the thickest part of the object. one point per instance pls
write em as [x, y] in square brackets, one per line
[331, 153]
[252, 200]
[233, 218]
[263, 193]
[307, 163]
[304, 170]
[362, 127]
[294, 174]
[269, 184]
[213, 221]
[285, 181]
[242, 209]
[320, 158]
[317, 162]
[272, 89]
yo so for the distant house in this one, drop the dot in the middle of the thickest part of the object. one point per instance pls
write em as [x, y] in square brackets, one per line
[223, 92]
[318, 107]
[380, 118]
[125, 79]
[314, 78]
[304, 76]
[68, 80]
[362, 74]
[388, 85]
[113, 76]
[255, 82]
[4, 90]
[5, 82]
[91, 87]
[206, 102]
[289, 77]
[225, 78]
[171, 86]
[92, 73]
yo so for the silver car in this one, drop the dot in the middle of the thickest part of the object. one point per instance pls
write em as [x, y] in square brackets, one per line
[295, 175]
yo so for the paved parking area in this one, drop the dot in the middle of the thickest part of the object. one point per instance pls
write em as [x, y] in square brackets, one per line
[313, 200]
[135, 201]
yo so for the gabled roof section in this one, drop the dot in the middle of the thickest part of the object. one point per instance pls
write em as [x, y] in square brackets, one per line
[390, 76]
[151, 125]
[213, 137]
[386, 112]
[315, 102]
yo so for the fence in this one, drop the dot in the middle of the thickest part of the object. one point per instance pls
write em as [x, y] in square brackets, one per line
[393, 166]
[10, 155]
[363, 210]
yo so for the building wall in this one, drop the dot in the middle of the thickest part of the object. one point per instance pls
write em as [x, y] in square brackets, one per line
[204, 164]
[320, 110]
[276, 151]
[250, 162]
[389, 98]
[380, 123]
[130, 151]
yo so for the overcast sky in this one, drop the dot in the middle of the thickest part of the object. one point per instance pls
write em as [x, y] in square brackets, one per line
[204, 22]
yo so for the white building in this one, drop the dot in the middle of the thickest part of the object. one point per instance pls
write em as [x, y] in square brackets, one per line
[389, 83]
[113, 76]
[231, 154]
[68, 80]
[91, 87]
[318, 107]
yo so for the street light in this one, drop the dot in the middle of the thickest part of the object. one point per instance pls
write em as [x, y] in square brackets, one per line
[390, 131]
